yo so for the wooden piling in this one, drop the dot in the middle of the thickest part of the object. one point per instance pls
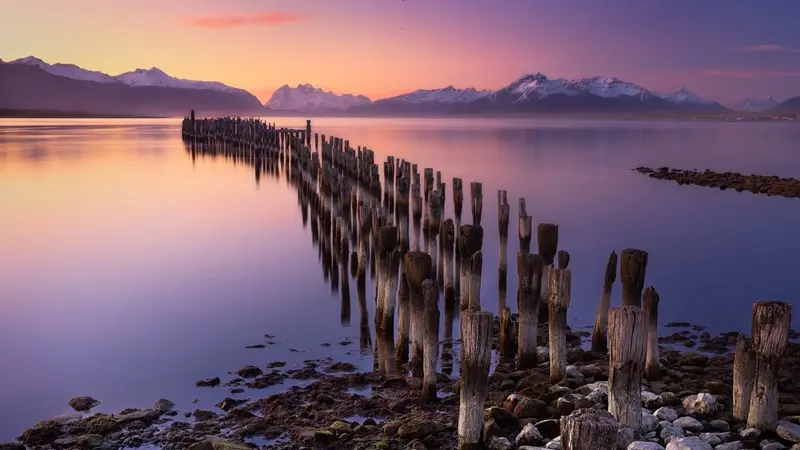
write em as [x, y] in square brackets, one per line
[458, 201]
[626, 364]
[529, 279]
[586, 429]
[476, 268]
[470, 242]
[770, 328]
[418, 268]
[476, 190]
[600, 332]
[448, 239]
[503, 211]
[632, 269]
[403, 320]
[508, 341]
[652, 369]
[563, 259]
[560, 287]
[547, 240]
[389, 260]
[744, 367]
[476, 352]
[431, 350]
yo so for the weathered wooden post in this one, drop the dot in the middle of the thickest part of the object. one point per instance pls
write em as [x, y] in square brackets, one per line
[458, 201]
[652, 368]
[632, 269]
[744, 367]
[585, 429]
[626, 364]
[389, 261]
[529, 279]
[193, 126]
[547, 240]
[525, 225]
[475, 271]
[476, 191]
[435, 208]
[563, 259]
[470, 241]
[770, 328]
[431, 353]
[308, 133]
[403, 320]
[560, 287]
[507, 342]
[503, 211]
[448, 238]
[600, 332]
[476, 352]
[418, 268]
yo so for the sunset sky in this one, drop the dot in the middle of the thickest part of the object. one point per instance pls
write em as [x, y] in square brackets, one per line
[724, 50]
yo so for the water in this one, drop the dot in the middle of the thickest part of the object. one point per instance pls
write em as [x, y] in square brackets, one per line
[128, 270]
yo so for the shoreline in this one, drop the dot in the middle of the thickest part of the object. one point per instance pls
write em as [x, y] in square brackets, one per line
[345, 409]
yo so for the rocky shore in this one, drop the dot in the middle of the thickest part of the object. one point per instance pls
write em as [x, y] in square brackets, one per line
[688, 408]
[757, 184]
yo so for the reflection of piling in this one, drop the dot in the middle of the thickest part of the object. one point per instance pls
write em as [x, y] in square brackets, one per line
[744, 366]
[418, 269]
[476, 352]
[559, 282]
[600, 332]
[431, 338]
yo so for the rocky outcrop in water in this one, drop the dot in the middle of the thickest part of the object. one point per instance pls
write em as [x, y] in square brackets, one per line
[757, 184]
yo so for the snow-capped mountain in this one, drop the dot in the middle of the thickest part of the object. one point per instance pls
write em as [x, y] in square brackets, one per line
[683, 95]
[66, 70]
[757, 104]
[444, 95]
[538, 86]
[306, 97]
[157, 77]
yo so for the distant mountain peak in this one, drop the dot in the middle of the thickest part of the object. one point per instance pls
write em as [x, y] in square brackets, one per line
[30, 60]
[684, 95]
[445, 95]
[66, 70]
[305, 97]
[758, 104]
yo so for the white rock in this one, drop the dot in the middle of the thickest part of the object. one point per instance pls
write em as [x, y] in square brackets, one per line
[789, 431]
[689, 443]
[750, 433]
[499, 443]
[529, 436]
[649, 422]
[688, 423]
[555, 444]
[543, 354]
[666, 413]
[702, 403]
[643, 445]
[601, 386]
[574, 372]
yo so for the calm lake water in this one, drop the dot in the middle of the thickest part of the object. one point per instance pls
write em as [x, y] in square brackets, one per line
[128, 270]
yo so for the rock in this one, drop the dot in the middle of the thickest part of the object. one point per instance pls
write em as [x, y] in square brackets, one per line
[249, 372]
[719, 425]
[202, 415]
[711, 439]
[499, 443]
[42, 433]
[650, 400]
[145, 415]
[564, 406]
[663, 424]
[390, 428]
[89, 441]
[83, 404]
[598, 397]
[527, 408]
[215, 444]
[543, 354]
[649, 422]
[416, 429]
[700, 404]
[689, 424]
[12, 446]
[400, 405]
[574, 372]
[102, 424]
[644, 445]
[503, 417]
[491, 428]
[666, 413]
[529, 435]
[549, 428]
[750, 433]
[788, 431]
[670, 433]
[394, 383]
[340, 427]
[512, 400]
[229, 403]
[767, 445]
[325, 399]
[324, 436]
[688, 443]
[163, 406]
[601, 386]
[209, 382]
[736, 445]
[625, 436]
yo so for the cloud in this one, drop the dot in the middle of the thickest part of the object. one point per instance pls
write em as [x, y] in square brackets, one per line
[264, 19]
[754, 73]
[769, 48]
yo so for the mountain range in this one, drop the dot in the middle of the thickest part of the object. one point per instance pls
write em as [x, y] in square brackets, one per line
[32, 84]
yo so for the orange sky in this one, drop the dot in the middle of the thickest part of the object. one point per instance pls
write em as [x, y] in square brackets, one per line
[387, 47]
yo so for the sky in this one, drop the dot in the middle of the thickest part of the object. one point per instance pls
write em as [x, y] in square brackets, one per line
[723, 50]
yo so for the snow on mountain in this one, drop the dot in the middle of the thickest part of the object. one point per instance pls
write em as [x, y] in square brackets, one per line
[306, 97]
[157, 77]
[683, 95]
[66, 70]
[446, 95]
[538, 86]
[607, 87]
[758, 104]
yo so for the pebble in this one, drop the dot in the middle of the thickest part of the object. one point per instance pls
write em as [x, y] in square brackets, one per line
[666, 413]
[689, 443]
[643, 445]
[789, 431]
[688, 423]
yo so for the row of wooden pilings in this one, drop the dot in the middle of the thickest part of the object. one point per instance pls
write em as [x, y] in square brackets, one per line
[341, 188]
